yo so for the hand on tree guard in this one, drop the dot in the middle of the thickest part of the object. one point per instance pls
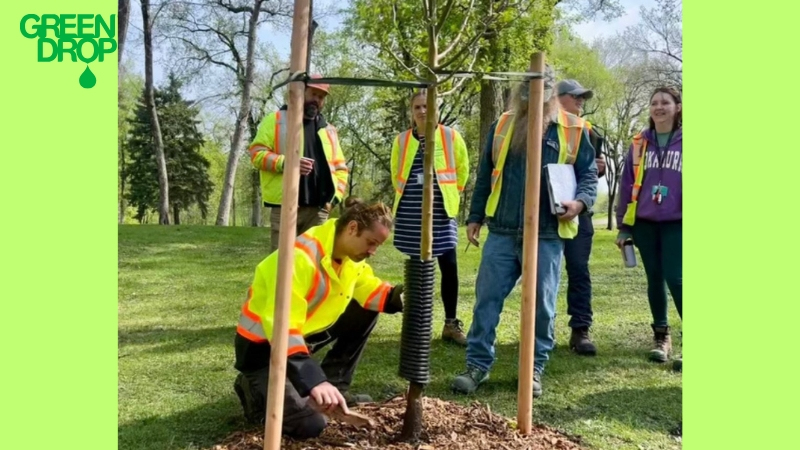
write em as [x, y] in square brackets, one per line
[395, 300]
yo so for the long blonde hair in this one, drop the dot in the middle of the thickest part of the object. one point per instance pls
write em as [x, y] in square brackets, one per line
[519, 106]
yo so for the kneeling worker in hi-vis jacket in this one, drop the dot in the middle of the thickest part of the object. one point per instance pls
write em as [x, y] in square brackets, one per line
[335, 297]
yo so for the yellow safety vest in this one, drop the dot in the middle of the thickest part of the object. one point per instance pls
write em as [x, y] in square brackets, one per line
[267, 154]
[570, 132]
[450, 161]
[639, 158]
[319, 295]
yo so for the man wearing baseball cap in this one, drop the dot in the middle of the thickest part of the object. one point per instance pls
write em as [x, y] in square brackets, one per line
[497, 201]
[571, 97]
[323, 168]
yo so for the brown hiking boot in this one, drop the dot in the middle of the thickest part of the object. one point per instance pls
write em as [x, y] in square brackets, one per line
[663, 344]
[454, 332]
[580, 342]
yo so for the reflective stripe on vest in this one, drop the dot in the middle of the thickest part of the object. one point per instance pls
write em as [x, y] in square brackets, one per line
[321, 283]
[499, 146]
[378, 297]
[336, 163]
[570, 132]
[249, 324]
[448, 175]
[639, 159]
[296, 343]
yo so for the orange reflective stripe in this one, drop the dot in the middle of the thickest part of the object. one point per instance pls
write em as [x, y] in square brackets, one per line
[574, 142]
[377, 298]
[321, 284]
[249, 325]
[341, 187]
[332, 137]
[405, 138]
[296, 343]
[501, 131]
[447, 144]
[255, 150]
[639, 159]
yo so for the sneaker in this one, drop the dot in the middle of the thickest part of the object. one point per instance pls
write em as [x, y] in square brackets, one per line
[453, 331]
[468, 382]
[580, 342]
[537, 385]
[663, 344]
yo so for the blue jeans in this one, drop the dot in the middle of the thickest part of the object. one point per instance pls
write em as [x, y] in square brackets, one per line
[579, 288]
[501, 266]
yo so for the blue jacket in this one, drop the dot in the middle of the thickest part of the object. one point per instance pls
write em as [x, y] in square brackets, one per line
[510, 213]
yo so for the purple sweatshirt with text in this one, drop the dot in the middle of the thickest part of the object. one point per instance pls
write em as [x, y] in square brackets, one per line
[664, 170]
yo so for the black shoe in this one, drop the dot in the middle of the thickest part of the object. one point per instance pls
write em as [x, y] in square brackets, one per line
[580, 342]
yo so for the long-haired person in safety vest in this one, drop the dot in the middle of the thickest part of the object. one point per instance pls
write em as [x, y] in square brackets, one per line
[499, 200]
[650, 211]
[451, 171]
[335, 297]
[323, 168]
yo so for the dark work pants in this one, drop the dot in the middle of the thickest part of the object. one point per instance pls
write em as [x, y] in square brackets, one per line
[350, 334]
[660, 245]
[579, 288]
[448, 265]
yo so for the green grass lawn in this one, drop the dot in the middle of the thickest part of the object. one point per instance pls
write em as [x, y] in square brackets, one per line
[180, 290]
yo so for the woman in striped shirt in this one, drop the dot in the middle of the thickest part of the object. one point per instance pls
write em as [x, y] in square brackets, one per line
[451, 168]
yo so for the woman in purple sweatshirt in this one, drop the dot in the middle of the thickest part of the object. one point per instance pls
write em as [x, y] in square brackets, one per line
[650, 211]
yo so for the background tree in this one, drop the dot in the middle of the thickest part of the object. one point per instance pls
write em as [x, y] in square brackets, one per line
[188, 168]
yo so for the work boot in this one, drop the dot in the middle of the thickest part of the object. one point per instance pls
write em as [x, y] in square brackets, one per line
[677, 365]
[663, 344]
[454, 332]
[537, 384]
[580, 342]
[355, 399]
[468, 382]
[254, 410]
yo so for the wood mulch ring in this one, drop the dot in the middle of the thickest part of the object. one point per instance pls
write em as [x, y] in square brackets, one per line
[447, 426]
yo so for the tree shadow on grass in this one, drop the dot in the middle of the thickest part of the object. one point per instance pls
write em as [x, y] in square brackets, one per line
[200, 427]
[175, 340]
[656, 409]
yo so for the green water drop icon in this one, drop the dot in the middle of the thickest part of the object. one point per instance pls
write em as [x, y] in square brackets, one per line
[87, 79]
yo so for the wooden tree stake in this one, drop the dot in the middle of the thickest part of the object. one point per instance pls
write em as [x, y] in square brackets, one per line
[530, 247]
[291, 185]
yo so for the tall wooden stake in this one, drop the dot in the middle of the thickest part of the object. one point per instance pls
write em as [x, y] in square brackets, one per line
[291, 185]
[530, 248]
[413, 419]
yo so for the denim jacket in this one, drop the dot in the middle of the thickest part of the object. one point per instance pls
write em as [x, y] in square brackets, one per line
[510, 213]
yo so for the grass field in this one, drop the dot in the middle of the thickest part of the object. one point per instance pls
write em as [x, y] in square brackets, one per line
[180, 290]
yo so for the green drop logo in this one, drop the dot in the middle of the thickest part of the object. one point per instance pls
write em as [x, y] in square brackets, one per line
[87, 79]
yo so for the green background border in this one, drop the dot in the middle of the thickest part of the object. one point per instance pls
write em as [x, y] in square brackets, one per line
[59, 242]
[59, 246]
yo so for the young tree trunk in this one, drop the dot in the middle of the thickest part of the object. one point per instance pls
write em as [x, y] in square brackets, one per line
[158, 143]
[226, 198]
[123, 16]
[176, 215]
[255, 217]
[123, 13]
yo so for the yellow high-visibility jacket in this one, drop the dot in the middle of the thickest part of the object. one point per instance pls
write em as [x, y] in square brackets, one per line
[267, 153]
[450, 160]
[319, 294]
